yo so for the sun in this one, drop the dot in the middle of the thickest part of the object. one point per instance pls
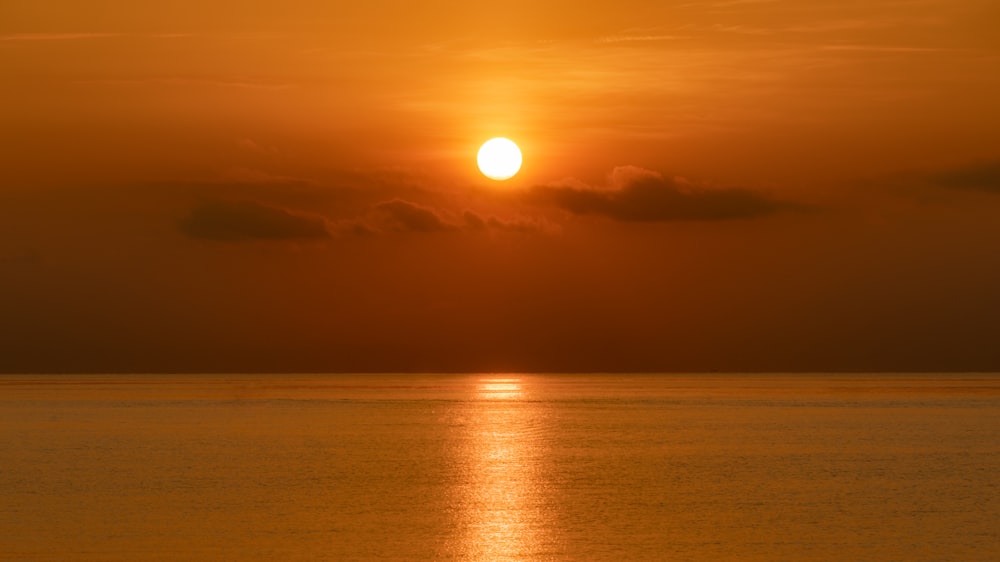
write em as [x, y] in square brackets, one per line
[499, 158]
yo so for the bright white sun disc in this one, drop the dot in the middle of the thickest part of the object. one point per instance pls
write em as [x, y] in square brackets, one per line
[499, 158]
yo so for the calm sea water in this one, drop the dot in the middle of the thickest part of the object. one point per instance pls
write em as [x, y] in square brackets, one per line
[500, 467]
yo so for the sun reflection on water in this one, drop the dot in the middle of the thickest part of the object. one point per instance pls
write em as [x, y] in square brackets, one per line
[503, 497]
[499, 389]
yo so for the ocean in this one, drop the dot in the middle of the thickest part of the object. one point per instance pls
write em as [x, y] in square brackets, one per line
[500, 467]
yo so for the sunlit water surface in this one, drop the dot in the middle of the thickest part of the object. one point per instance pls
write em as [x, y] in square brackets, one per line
[500, 467]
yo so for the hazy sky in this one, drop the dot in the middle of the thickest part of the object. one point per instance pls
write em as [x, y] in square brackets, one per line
[220, 185]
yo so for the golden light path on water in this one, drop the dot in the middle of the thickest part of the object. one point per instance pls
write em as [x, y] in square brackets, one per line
[504, 503]
[500, 467]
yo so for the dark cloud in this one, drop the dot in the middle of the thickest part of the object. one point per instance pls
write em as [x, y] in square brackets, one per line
[350, 204]
[334, 194]
[475, 221]
[638, 195]
[245, 220]
[983, 176]
[354, 228]
[402, 215]
[249, 220]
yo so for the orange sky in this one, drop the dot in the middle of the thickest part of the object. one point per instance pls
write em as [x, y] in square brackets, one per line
[291, 186]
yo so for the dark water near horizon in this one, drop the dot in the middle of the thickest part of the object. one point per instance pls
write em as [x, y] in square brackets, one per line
[500, 467]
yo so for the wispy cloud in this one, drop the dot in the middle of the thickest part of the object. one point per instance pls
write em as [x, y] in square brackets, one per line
[178, 81]
[726, 4]
[77, 36]
[55, 36]
[885, 49]
[637, 38]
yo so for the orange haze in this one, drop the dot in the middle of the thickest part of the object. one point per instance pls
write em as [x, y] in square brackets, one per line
[214, 185]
